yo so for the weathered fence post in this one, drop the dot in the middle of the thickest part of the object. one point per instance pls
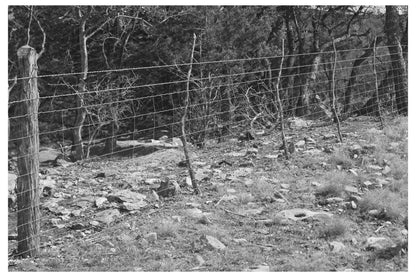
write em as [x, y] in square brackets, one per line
[27, 132]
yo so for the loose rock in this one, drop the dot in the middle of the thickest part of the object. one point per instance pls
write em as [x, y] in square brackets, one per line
[168, 188]
[378, 243]
[258, 268]
[99, 202]
[336, 246]
[151, 237]
[212, 243]
[107, 216]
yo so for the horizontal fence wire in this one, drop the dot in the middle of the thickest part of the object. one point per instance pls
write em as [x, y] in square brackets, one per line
[299, 74]
[198, 63]
[221, 107]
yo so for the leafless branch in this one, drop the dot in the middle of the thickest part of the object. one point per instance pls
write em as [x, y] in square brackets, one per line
[98, 28]
[136, 17]
[30, 23]
[44, 38]
[14, 83]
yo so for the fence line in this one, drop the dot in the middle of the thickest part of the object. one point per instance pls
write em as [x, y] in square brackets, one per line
[197, 63]
[196, 89]
[230, 105]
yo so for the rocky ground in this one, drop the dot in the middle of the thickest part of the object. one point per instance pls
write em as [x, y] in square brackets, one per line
[331, 207]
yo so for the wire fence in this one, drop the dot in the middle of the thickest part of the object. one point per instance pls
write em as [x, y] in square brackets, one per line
[140, 104]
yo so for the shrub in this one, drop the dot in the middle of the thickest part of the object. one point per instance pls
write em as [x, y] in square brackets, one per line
[334, 228]
[390, 205]
[342, 158]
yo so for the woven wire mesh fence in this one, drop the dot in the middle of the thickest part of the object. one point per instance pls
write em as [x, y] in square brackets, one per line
[116, 112]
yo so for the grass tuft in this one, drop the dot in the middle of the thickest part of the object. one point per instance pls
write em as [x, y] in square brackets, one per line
[391, 205]
[341, 157]
[335, 228]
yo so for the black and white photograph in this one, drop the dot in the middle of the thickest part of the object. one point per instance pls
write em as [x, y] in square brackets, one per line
[223, 137]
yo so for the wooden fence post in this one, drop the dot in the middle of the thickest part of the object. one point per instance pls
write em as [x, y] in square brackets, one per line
[27, 131]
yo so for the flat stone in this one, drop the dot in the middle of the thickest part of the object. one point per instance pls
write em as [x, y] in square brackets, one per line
[133, 206]
[212, 243]
[193, 205]
[107, 216]
[386, 170]
[301, 214]
[194, 213]
[374, 212]
[310, 140]
[336, 246]
[240, 241]
[353, 172]
[333, 200]
[297, 123]
[356, 149]
[48, 155]
[152, 181]
[122, 196]
[367, 183]
[300, 143]
[350, 189]
[151, 237]
[258, 268]
[374, 167]
[231, 191]
[236, 154]
[378, 243]
[252, 151]
[99, 202]
[316, 184]
[329, 136]
[168, 188]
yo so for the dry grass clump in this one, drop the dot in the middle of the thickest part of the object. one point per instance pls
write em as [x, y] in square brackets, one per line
[333, 183]
[389, 204]
[342, 158]
[167, 229]
[334, 228]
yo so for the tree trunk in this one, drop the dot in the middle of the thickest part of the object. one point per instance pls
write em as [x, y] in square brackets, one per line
[353, 77]
[80, 111]
[111, 141]
[396, 58]
[289, 76]
[370, 106]
[28, 214]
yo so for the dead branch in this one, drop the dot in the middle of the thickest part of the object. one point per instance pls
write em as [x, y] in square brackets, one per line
[183, 138]
[44, 37]
[376, 82]
[30, 23]
[14, 83]
[279, 102]
[334, 108]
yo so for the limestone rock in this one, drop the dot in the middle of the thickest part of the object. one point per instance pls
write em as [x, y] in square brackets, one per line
[336, 246]
[107, 216]
[350, 189]
[301, 214]
[212, 243]
[151, 237]
[168, 188]
[300, 144]
[258, 268]
[378, 243]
